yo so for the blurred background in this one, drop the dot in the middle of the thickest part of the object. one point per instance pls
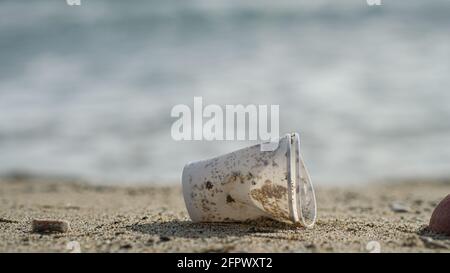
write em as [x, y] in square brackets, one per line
[87, 91]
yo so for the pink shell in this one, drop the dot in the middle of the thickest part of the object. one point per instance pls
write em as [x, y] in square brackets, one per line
[440, 219]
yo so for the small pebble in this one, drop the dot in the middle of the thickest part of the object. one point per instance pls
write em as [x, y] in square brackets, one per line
[399, 207]
[164, 238]
[48, 226]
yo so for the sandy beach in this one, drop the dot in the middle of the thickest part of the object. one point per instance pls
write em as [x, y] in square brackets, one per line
[154, 219]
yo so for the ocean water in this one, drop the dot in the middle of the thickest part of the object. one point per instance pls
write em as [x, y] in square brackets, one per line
[87, 91]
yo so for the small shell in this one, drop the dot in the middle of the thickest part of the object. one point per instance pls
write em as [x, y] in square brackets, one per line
[440, 219]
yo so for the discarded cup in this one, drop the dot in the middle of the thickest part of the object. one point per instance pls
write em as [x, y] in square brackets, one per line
[249, 184]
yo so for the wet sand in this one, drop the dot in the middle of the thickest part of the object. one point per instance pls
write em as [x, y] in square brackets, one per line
[154, 219]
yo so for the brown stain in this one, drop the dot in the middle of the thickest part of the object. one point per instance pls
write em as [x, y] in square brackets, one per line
[208, 185]
[265, 160]
[204, 205]
[232, 178]
[230, 199]
[236, 177]
[269, 195]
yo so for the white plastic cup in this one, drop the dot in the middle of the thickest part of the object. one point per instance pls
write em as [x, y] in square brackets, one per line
[249, 184]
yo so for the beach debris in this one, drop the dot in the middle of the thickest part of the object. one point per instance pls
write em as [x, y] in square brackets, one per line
[251, 183]
[431, 243]
[399, 207]
[440, 219]
[50, 226]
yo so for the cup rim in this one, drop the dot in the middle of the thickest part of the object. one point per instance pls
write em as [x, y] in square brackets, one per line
[300, 185]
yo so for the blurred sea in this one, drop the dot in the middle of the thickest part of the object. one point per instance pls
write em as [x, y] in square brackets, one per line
[87, 91]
